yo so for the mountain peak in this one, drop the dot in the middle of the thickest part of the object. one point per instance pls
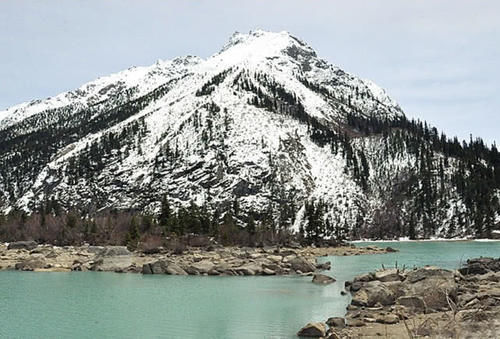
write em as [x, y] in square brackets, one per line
[260, 44]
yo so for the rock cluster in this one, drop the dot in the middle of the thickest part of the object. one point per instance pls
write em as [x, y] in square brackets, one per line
[209, 260]
[427, 301]
[236, 261]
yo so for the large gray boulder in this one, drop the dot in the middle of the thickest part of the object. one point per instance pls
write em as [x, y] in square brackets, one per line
[427, 273]
[174, 269]
[372, 293]
[313, 330]
[436, 292]
[201, 267]
[22, 245]
[302, 265]
[158, 267]
[336, 322]
[249, 269]
[30, 264]
[112, 264]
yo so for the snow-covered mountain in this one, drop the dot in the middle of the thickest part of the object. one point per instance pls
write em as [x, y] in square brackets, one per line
[264, 123]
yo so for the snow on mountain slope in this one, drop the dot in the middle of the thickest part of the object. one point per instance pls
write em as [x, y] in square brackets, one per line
[264, 122]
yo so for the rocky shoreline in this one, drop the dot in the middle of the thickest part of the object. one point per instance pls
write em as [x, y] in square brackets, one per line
[212, 260]
[425, 302]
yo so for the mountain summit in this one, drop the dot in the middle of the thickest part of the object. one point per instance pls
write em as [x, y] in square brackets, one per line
[263, 128]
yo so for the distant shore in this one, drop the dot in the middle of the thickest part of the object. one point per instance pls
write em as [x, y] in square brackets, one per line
[361, 241]
[213, 260]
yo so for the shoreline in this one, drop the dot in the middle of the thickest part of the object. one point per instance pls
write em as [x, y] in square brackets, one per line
[213, 260]
[362, 241]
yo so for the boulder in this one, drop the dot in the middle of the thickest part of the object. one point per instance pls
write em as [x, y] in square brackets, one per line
[322, 279]
[22, 245]
[302, 265]
[313, 330]
[326, 266]
[146, 269]
[174, 269]
[481, 266]
[413, 303]
[428, 272]
[356, 286]
[336, 322]
[388, 275]
[364, 277]
[112, 264]
[158, 267]
[249, 269]
[267, 271]
[372, 293]
[435, 292]
[202, 267]
[30, 264]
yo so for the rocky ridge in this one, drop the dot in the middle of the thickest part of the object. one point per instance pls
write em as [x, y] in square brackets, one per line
[217, 260]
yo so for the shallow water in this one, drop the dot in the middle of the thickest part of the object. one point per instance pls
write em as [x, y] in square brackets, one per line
[110, 305]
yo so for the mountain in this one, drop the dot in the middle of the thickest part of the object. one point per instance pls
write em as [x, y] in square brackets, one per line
[264, 128]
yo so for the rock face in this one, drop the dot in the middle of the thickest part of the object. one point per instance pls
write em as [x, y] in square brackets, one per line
[313, 330]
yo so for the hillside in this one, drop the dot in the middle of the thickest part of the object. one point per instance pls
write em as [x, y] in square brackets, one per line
[264, 130]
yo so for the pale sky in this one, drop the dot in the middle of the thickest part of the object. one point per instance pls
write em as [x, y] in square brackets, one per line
[440, 59]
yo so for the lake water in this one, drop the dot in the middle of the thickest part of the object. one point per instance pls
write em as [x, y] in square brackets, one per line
[111, 305]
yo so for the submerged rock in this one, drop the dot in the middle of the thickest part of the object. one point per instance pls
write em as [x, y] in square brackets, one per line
[322, 279]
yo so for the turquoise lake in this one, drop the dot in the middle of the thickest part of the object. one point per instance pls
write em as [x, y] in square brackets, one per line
[111, 305]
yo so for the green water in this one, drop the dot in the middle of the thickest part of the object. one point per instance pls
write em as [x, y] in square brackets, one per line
[110, 305]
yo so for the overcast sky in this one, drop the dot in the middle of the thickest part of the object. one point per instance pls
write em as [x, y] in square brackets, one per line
[440, 59]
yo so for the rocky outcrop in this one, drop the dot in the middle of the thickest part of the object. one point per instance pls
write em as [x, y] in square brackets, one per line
[424, 302]
[212, 260]
[480, 266]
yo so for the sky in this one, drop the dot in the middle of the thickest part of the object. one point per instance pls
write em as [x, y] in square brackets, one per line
[440, 59]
